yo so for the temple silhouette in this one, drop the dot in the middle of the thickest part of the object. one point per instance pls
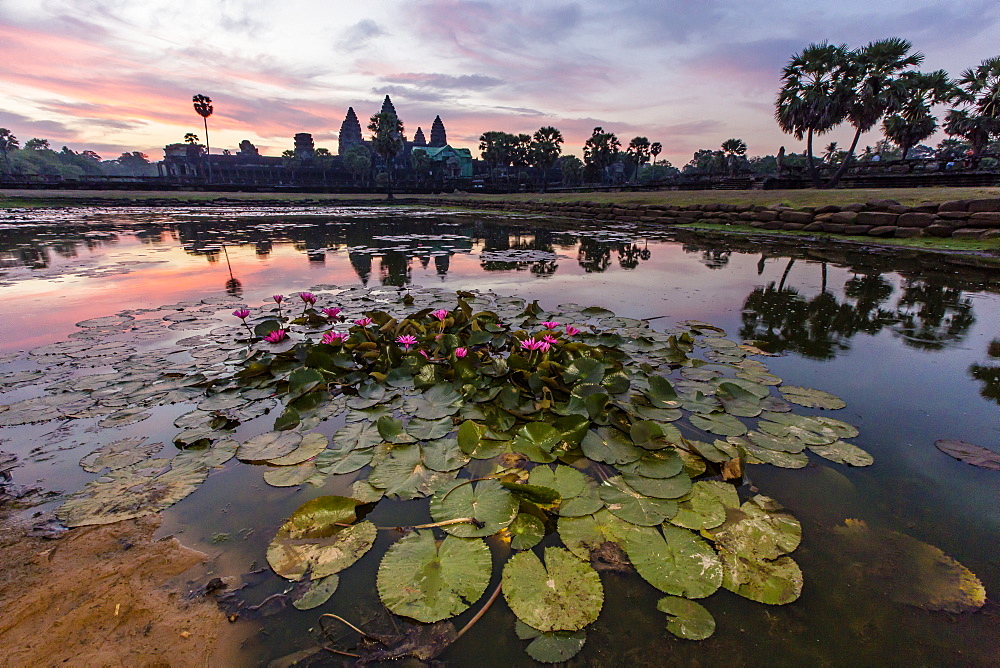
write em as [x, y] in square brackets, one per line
[305, 165]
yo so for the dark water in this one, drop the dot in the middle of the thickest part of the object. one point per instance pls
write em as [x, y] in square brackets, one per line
[911, 343]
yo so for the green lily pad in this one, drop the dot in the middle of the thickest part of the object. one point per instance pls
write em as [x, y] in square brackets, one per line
[429, 581]
[811, 398]
[634, 506]
[759, 529]
[429, 430]
[705, 508]
[486, 501]
[443, 454]
[787, 443]
[677, 562]
[719, 423]
[402, 473]
[584, 370]
[269, 445]
[311, 445]
[472, 441]
[119, 454]
[843, 452]
[526, 531]
[673, 487]
[564, 479]
[363, 491]
[700, 403]
[686, 619]
[564, 594]
[551, 647]
[774, 582]
[436, 402]
[337, 462]
[356, 435]
[319, 592]
[290, 476]
[585, 503]
[611, 446]
[320, 538]
[537, 441]
[392, 430]
[583, 535]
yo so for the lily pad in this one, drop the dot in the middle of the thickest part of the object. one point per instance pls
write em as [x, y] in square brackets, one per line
[811, 398]
[586, 502]
[843, 452]
[428, 430]
[537, 441]
[719, 423]
[119, 454]
[311, 445]
[551, 647]
[976, 455]
[677, 562]
[402, 473]
[290, 476]
[564, 594]
[430, 581]
[686, 619]
[564, 479]
[486, 502]
[320, 538]
[267, 446]
[526, 531]
[319, 592]
[705, 507]
[443, 454]
[634, 506]
[673, 487]
[583, 535]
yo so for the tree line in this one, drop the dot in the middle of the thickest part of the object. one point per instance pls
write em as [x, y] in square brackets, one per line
[36, 156]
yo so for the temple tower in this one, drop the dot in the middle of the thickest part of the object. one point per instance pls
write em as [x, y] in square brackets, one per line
[438, 136]
[418, 139]
[388, 108]
[350, 132]
[304, 147]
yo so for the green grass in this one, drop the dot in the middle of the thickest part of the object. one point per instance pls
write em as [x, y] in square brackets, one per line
[989, 246]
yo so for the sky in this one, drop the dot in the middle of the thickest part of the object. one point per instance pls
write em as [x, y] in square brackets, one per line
[117, 75]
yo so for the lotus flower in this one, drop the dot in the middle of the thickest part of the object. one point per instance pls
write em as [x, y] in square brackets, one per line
[363, 322]
[550, 324]
[334, 337]
[544, 346]
[331, 312]
[531, 344]
[308, 297]
[461, 352]
[242, 313]
[424, 353]
[440, 314]
[406, 341]
[277, 336]
[278, 298]
[551, 340]
[571, 330]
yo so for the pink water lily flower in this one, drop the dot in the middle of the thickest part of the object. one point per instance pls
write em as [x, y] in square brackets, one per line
[278, 298]
[548, 338]
[277, 336]
[571, 330]
[308, 297]
[531, 344]
[363, 322]
[406, 341]
[331, 312]
[242, 313]
[440, 314]
[461, 352]
[544, 346]
[334, 337]
[424, 353]
[550, 324]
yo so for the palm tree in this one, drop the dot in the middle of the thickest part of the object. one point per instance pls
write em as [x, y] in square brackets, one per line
[815, 95]
[638, 150]
[876, 86]
[545, 150]
[830, 152]
[8, 143]
[654, 150]
[912, 120]
[387, 141]
[203, 105]
[190, 138]
[979, 91]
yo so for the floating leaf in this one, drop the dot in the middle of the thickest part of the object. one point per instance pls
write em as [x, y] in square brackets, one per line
[365, 493]
[705, 508]
[677, 562]
[392, 430]
[566, 480]
[436, 402]
[810, 398]
[443, 455]
[267, 446]
[583, 535]
[290, 476]
[526, 531]
[124, 417]
[686, 619]
[319, 592]
[537, 440]
[320, 538]
[403, 473]
[534, 494]
[776, 582]
[119, 454]
[633, 506]
[673, 487]
[843, 452]
[428, 430]
[611, 446]
[551, 647]
[472, 442]
[719, 423]
[311, 445]
[356, 436]
[564, 594]
[486, 502]
[586, 502]
[969, 453]
[428, 581]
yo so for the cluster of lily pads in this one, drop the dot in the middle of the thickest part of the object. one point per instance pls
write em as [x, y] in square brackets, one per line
[608, 440]
[571, 439]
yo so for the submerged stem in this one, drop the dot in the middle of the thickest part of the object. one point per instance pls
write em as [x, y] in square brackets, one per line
[482, 611]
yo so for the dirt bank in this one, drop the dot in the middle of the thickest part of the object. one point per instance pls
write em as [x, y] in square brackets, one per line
[105, 596]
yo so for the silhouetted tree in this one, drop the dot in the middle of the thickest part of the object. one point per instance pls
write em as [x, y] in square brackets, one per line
[203, 105]
[979, 93]
[387, 141]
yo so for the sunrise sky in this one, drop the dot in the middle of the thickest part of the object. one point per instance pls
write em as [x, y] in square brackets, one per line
[115, 75]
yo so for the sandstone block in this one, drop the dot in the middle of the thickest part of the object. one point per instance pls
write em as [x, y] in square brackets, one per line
[853, 207]
[939, 230]
[765, 216]
[985, 219]
[882, 231]
[857, 229]
[967, 233]
[980, 205]
[880, 204]
[826, 209]
[835, 228]
[954, 205]
[876, 218]
[846, 217]
[908, 232]
[816, 226]
[793, 226]
[954, 215]
[916, 220]
[796, 217]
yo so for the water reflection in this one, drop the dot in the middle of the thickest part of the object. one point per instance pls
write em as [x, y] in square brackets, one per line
[989, 374]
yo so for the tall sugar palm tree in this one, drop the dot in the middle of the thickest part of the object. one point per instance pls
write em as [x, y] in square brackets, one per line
[979, 91]
[203, 105]
[912, 121]
[876, 88]
[815, 95]
[655, 149]
[387, 141]
[545, 149]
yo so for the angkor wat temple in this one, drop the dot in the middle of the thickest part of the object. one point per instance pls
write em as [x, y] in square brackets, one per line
[304, 165]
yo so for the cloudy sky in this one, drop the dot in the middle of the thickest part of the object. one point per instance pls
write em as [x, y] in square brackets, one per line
[111, 75]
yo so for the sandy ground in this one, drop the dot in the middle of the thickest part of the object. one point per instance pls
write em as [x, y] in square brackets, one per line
[106, 596]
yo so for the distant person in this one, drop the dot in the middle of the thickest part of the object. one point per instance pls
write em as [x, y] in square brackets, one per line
[780, 159]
